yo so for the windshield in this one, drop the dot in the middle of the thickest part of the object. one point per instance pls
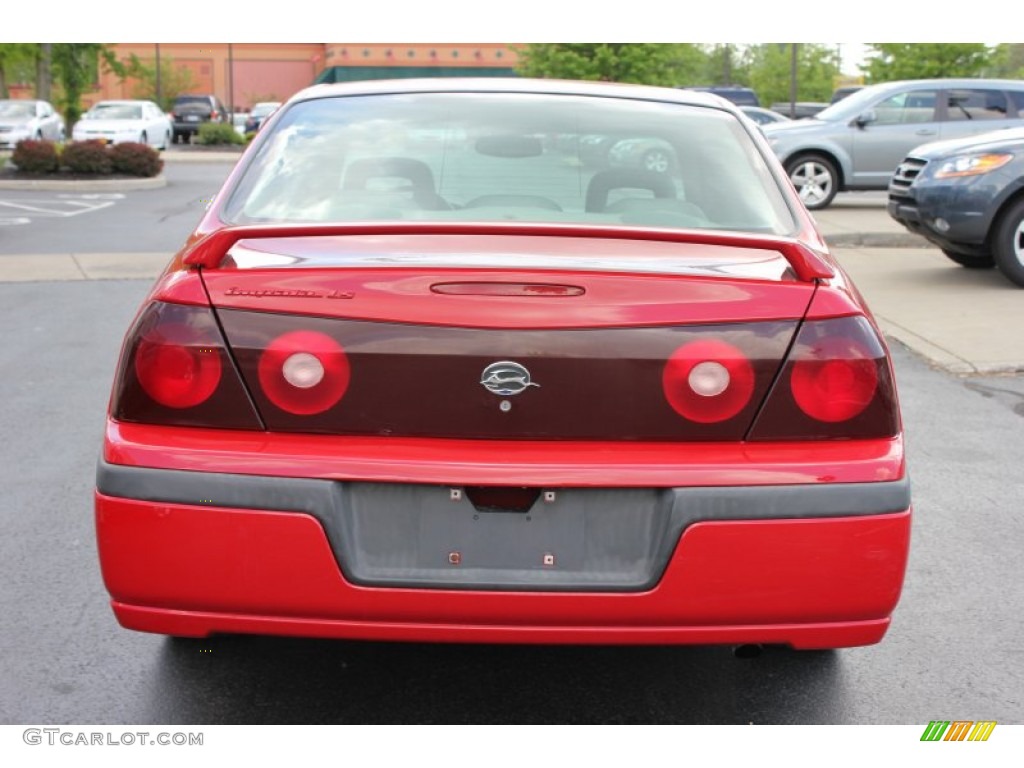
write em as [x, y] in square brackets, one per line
[262, 110]
[510, 157]
[115, 112]
[15, 109]
[851, 106]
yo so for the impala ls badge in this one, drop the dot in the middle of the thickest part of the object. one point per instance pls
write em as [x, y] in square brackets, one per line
[506, 378]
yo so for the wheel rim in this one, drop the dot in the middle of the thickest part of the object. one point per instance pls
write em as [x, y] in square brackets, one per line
[656, 161]
[812, 181]
[1018, 242]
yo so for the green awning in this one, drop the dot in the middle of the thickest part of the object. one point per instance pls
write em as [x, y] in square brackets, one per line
[350, 74]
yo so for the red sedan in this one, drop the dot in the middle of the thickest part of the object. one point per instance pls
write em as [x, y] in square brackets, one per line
[422, 374]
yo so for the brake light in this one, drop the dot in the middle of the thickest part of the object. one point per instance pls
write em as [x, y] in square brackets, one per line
[304, 372]
[214, 114]
[708, 381]
[175, 369]
[836, 383]
[177, 365]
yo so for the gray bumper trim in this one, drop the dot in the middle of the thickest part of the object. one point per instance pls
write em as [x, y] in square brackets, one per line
[342, 509]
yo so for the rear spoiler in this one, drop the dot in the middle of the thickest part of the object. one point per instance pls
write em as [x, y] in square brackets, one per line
[807, 263]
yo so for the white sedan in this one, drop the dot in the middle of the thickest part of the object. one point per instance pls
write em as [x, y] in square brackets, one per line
[115, 122]
[28, 119]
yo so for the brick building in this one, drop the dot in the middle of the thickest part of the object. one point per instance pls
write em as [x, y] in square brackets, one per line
[244, 73]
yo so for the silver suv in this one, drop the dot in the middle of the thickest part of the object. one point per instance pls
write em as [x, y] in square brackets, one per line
[857, 143]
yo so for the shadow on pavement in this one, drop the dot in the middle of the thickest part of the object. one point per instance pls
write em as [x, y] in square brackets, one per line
[271, 680]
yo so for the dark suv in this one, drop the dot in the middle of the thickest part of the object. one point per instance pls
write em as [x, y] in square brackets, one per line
[192, 110]
[967, 197]
[737, 94]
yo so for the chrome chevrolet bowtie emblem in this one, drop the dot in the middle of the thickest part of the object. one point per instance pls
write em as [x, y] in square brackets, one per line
[506, 378]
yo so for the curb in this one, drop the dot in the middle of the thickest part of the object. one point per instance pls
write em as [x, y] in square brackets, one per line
[876, 240]
[92, 185]
[185, 156]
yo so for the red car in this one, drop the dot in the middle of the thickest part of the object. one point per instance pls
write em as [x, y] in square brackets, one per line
[422, 374]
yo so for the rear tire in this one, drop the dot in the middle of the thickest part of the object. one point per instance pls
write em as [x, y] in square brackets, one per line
[815, 178]
[1008, 243]
[657, 161]
[971, 262]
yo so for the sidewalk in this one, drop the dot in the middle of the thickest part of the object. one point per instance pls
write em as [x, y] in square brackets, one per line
[859, 219]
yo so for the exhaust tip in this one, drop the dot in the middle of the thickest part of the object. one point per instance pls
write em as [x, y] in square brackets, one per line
[748, 651]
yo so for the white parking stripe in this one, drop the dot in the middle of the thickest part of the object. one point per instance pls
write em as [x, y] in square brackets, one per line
[37, 207]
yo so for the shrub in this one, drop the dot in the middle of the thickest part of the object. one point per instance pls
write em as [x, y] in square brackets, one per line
[219, 133]
[135, 159]
[36, 156]
[86, 157]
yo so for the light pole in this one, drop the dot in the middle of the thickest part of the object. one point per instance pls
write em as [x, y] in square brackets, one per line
[159, 90]
[231, 82]
[792, 78]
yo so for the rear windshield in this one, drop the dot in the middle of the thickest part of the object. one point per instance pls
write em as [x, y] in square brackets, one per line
[510, 157]
[116, 112]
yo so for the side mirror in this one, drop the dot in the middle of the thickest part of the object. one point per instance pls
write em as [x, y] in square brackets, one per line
[868, 116]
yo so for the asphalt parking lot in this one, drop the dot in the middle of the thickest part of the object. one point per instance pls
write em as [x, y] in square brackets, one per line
[68, 288]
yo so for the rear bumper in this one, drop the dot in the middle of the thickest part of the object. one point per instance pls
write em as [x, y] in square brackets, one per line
[812, 566]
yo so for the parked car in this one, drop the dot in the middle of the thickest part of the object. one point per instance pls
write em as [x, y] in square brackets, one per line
[843, 91]
[114, 122]
[419, 390]
[28, 119]
[967, 197]
[192, 110]
[259, 113]
[737, 94]
[763, 116]
[857, 142]
[650, 153]
[800, 110]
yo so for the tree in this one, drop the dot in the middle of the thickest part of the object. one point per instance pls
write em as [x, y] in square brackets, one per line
[913, 61]
[723, 65]
[173, 80]
[15, 58]
[1007, 61]
[76, 67]
[668, 64]
[44, 70]
[768, 68]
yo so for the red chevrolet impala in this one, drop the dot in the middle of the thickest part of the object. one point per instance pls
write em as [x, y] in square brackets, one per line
[454, 360]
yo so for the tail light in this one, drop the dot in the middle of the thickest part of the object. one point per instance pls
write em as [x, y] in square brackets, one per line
[836, 383]
[175, 369]
[304, 372]
[708, 381]
[214, 114]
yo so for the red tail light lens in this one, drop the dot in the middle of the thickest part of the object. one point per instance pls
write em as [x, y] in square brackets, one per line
[176, 366]
[304, 372]
[708, 381]
[175, 369]
[837, 383]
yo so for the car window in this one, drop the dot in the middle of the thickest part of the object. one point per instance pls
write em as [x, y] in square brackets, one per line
[16, 109]
[976, 104]
[116, 112]
[1017, 100]
[510, 157]
[906, 107]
